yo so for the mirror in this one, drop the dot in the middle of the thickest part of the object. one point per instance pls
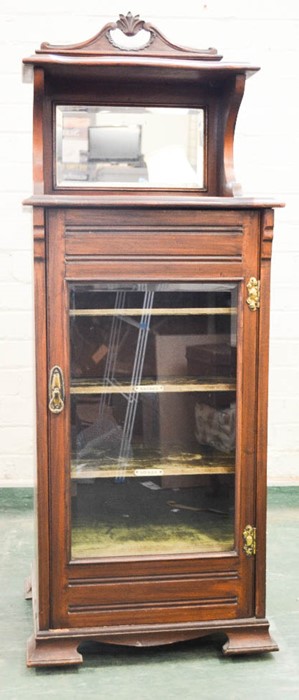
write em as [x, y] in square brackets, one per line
[161, 147]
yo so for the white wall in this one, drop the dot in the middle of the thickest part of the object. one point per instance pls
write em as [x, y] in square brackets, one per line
[263, 32]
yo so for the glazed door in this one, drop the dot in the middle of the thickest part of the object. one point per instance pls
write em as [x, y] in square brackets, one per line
[152, 445]
[153, 417]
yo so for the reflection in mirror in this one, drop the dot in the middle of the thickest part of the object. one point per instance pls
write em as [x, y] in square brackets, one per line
[129, 147]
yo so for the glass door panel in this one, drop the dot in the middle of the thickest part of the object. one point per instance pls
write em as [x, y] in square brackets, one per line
[153, 418]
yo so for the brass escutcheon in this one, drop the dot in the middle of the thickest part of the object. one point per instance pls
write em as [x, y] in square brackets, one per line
[56, 390]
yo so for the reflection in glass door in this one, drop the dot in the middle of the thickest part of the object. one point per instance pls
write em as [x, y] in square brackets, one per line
[153, 418]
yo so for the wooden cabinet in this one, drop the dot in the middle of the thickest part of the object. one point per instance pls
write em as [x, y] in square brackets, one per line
[152, 316]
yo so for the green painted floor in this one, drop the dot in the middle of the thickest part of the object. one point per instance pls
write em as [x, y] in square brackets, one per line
[186, 671]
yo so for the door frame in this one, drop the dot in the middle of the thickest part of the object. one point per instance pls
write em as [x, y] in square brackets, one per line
[63, 269]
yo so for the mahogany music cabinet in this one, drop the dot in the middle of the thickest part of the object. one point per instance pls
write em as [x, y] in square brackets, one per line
[152, 316]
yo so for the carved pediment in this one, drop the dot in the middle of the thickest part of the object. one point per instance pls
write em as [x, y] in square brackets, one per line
[130, 34]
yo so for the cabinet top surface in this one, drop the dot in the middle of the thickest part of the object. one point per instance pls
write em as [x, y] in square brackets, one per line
[152, 201]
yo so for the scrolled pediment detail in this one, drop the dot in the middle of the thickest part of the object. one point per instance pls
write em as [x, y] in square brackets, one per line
[115, 37]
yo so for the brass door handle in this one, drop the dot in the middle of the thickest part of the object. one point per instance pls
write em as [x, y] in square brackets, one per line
[56, 390]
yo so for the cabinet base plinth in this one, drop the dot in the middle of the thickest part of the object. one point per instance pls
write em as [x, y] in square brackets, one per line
[54, 648]
[53, 652]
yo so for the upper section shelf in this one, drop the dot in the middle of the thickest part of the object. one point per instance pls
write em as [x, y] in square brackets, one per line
[129, 64]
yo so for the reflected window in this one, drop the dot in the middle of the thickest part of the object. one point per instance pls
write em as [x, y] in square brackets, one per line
[129, 147]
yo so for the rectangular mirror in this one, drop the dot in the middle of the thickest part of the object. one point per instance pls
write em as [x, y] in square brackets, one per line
[99, 146]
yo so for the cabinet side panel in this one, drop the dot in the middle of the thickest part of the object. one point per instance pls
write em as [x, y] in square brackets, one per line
[246, 413]
[263, 366]
[42, 492]
[58, 422]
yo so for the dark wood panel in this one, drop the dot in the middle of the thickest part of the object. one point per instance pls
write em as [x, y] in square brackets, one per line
[124, 594]
[190, 612]
[149, 269]
[161, 216]
[155, 242]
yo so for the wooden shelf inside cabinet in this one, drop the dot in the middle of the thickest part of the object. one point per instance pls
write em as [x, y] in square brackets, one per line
[116, 387]
[170, 467]
[189, 311]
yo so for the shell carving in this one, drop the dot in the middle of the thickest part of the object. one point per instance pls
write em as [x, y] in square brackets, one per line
[130, 25]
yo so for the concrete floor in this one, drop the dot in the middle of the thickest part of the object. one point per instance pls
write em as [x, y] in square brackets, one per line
[189, 670]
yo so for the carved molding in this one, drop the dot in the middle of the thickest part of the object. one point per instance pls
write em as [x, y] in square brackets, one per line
[267, 234]
[39, 251]
[130, 26]
[39, 245]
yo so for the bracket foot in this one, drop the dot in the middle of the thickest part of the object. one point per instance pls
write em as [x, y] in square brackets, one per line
[53, 652]
[255, 640]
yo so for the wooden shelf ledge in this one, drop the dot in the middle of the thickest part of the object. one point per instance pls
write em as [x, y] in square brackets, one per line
[152, 388]
[155, 312]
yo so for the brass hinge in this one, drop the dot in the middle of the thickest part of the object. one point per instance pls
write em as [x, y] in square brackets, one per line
[249, 539]
[254, 288]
